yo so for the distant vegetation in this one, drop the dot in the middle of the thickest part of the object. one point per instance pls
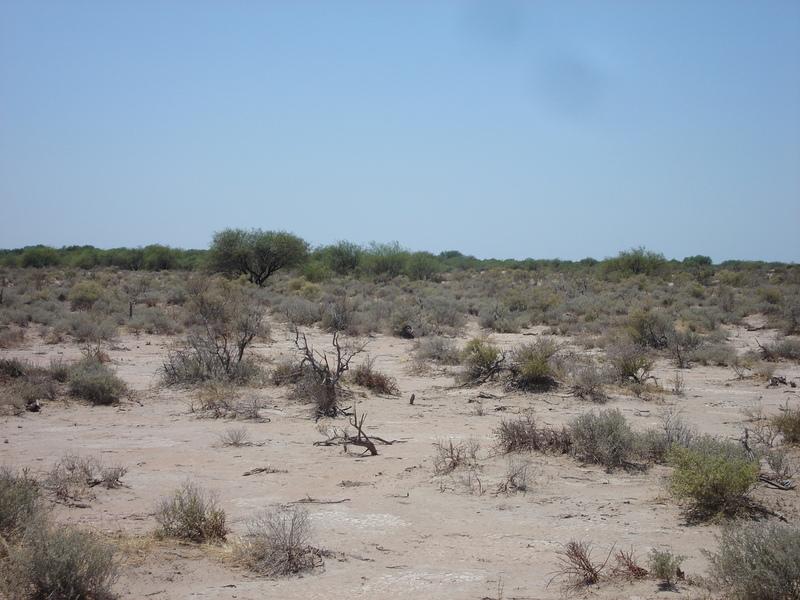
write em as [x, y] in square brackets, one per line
[257, 254]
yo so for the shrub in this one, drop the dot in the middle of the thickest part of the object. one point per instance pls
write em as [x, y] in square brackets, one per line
[482, 360]
[73, 475]
[664, 565]
[450, 456]
[787, 423]
[277, 543]
[757, 561]
[93, 381]
[649, 328]
[630, 362]
[603, 438]
[588, 382]
[437, 349]
[531, 368]
[380, 383]
[526, 435]
[712, 476]
[576, 564]
[20, 502]
[63, 562]
[192, 514]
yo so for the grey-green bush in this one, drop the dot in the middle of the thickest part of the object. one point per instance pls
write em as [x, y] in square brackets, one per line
[603, 438]
[757, 561]
[62, 562]
[93, 381]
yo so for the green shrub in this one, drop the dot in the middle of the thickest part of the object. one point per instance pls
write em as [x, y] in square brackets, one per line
[482, 360]
[603, 438]
[712, 476]
[649, 328]
[62, 562]
[531, 368]
[93, 381]
[664, 565]
[787, 423]
[757, 561]
[277, 543]
[20, 502]
[192, 514]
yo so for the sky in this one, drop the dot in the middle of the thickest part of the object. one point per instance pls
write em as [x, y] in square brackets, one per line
[502, 129]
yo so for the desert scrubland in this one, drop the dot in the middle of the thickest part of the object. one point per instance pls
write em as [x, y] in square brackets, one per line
[488, 430]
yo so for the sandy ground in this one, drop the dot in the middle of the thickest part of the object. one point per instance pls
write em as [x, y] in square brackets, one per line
[395, 528]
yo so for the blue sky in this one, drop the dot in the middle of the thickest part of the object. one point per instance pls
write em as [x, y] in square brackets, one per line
[501, 129]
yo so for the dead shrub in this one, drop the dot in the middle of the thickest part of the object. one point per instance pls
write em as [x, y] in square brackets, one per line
[278, 543]
[576, 565]
[450, 456]
[527, 435]
[366, 376]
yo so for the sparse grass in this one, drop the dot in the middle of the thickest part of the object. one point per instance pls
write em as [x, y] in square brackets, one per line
[235, 436]
[192, 513]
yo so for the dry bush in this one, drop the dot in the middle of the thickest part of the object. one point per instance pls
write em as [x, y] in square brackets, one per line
[235, 436]
[74, 475]
[575, 564]
[192, 513]
[366, 376]
[517, 477]
[527, 435]
[61, 562]
[589, 381]
[627, 565]
[278, 543]
[286, 371]
[450, 456]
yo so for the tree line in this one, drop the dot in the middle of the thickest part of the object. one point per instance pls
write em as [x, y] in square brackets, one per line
[257, 255]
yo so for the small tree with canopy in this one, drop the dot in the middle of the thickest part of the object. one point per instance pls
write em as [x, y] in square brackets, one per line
[255, 253]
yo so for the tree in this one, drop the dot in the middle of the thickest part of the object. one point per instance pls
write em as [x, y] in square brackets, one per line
[255, 253]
